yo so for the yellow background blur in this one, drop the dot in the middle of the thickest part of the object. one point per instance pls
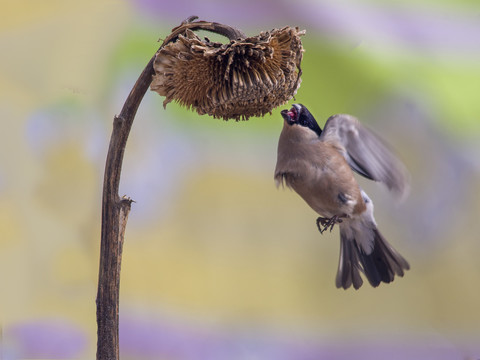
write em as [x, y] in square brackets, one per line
[218, 263]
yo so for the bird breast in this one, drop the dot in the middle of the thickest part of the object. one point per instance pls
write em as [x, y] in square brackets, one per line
[322, 177]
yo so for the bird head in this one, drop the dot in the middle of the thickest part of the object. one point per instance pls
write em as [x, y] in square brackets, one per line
[299, 115]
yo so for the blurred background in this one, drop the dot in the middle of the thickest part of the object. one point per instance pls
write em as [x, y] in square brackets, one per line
[218, 263]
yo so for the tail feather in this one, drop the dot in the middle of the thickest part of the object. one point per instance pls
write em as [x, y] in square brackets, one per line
[380, 265]
[348, 266]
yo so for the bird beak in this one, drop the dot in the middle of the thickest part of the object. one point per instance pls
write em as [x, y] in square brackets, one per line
[290, 116]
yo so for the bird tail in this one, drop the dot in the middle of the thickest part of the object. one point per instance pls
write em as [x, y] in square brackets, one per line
[380, 262]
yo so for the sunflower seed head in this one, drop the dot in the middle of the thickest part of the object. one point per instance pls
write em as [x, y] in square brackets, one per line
[243, 78]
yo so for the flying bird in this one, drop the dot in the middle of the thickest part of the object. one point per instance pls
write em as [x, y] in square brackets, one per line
[318, 165]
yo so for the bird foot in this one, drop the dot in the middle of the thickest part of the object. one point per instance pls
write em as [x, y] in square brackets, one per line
[324, 223]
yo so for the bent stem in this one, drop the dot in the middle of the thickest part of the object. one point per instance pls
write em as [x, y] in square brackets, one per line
[115, 209]
[115, 212]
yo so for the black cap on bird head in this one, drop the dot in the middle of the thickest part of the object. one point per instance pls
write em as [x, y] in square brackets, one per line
[299, 115]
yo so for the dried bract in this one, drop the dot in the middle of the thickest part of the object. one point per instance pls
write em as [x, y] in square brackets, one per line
[243, 78]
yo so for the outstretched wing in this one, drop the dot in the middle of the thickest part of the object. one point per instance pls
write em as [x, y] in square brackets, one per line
[365, 152]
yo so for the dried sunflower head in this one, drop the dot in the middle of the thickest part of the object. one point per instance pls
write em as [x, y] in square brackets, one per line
[243, 78]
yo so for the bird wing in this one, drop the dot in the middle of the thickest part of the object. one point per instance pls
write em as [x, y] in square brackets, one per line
[365, 152]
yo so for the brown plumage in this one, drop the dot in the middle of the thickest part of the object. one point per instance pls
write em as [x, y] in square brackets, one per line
[318, 166]
[242, 78]
[310, 166]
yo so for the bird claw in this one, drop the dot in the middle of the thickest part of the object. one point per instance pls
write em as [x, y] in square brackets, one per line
[324, 223]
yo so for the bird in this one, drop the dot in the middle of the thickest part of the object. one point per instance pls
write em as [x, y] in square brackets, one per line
[319, 165]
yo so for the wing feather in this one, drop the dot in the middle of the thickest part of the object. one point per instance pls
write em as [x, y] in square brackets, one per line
[366, 152]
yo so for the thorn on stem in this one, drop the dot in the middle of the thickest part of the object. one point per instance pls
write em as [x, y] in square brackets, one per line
[127, 199]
